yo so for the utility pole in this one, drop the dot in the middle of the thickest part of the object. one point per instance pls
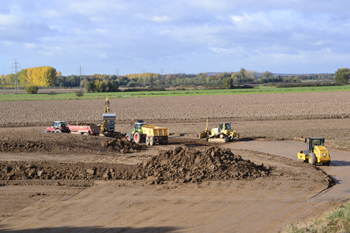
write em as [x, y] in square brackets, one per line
[144, 78]
[15, 66]
[118, 75]
[81, 72]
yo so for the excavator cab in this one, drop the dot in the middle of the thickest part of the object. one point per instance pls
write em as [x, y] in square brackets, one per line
[108, 125]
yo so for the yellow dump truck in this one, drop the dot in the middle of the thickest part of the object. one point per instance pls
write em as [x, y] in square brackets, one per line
[148, 133]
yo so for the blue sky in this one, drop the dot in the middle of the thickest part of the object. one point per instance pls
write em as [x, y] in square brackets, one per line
[189, 36]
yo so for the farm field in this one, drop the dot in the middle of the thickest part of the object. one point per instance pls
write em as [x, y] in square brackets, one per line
[99, 188]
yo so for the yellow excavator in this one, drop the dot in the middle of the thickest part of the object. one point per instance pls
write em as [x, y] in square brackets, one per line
[316, 152]
[108, 119]
[224, 133]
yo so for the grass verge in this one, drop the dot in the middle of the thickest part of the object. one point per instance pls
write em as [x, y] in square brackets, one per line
[193, 92]
[335, 221]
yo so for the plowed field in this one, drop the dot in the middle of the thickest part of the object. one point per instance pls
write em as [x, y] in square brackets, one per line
[182, 108]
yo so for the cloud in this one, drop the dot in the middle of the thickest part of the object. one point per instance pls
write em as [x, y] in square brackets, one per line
[191, 36]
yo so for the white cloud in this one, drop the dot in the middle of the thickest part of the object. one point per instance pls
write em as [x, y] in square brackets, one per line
[219, 35]
[30, 46]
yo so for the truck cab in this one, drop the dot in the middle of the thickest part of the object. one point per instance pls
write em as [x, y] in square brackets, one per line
[138, 126]
[58, 127]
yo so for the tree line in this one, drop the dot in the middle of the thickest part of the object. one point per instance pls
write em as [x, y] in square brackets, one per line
[43, 76]
[46, 76]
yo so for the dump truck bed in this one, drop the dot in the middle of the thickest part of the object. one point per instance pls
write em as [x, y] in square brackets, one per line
[84, 129]
[151, 130]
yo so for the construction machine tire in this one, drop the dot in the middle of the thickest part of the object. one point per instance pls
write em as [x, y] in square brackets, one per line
[327, 163]
[57, 131]
[137, 137]
[151, 141]
[312, 159]
[147, 141]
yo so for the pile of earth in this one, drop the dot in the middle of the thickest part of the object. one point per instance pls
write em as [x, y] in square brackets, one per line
[122, 145]
[179, 165]
[192, 165]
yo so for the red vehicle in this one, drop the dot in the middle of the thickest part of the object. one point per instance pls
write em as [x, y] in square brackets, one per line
[58, 127]
[84, 129]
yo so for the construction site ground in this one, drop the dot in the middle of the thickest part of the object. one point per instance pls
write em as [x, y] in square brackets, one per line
[293, 192]
[78, 183]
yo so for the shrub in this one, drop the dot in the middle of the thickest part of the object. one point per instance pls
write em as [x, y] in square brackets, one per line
[31, 89]
[79, 93]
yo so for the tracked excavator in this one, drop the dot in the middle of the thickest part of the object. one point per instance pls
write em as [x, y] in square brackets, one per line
[108, 125]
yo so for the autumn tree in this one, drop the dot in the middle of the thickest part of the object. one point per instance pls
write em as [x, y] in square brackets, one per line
[2, 79]
[10, 79]
[41, 76]
[58, 74]
[342, 75]
[267, 75]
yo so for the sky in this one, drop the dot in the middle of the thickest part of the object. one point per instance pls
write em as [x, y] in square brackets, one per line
[187, 36]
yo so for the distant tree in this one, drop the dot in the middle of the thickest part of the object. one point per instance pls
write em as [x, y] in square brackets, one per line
[267, 75]
[31, 89]
[10, 79]
[42, 76]
[112, 86]
[228, 83]
[251, 74]
[239, 77]
[102, 86]
[342, 75]
[22, 77]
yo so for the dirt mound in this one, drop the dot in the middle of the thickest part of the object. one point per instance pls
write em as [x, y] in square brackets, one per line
[191, 165]
[179, 165]
[120, 144]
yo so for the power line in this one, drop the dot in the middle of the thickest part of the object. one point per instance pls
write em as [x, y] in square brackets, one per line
[81, 72]
[15, 66]
[118, 75]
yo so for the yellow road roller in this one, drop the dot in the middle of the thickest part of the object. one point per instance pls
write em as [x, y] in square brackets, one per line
[316, 153]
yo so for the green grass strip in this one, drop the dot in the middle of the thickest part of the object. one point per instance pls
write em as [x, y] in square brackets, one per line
[192, 92]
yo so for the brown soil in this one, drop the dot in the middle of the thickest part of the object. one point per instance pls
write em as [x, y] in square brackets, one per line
[273, 106]
[179, 165]
[64, 182]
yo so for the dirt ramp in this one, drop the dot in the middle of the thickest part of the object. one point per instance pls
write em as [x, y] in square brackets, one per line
[192, 165]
